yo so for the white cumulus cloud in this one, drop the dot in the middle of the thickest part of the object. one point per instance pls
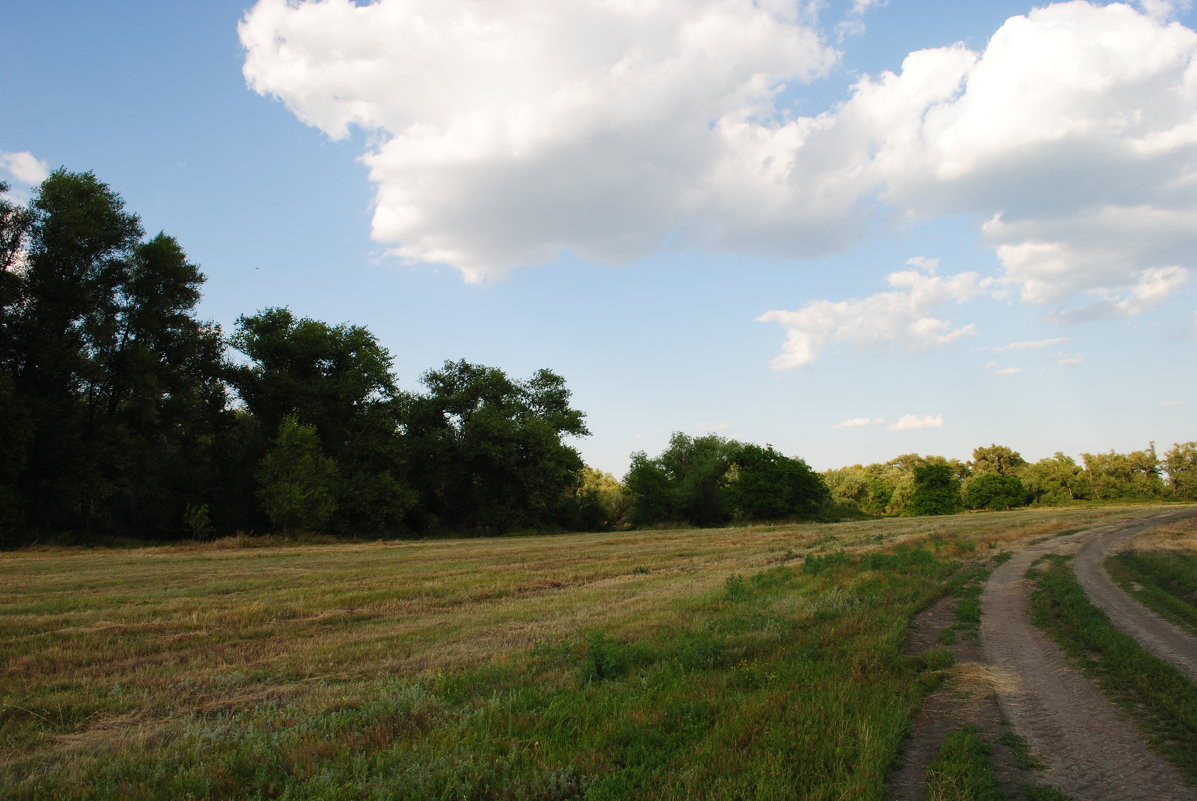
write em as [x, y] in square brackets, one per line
[508, 132]
[902, 317]
[25, 167]
[912, 422]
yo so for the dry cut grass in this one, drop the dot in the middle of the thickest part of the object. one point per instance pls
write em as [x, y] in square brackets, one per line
[109, 650]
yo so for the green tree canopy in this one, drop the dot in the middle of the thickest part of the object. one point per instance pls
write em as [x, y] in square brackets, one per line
[113, 387]
[936, 490]
[491, 450]
[336, 379]
[996, 459]
[1124, 475]
[1180, 462]
[708, 481]
[296, 481]
[995, 491]
[767, 485]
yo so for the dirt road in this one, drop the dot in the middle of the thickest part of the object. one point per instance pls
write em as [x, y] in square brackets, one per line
[1092, 749]
[1159, 636]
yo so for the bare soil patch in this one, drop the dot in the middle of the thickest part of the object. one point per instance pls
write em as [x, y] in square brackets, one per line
[967, 698]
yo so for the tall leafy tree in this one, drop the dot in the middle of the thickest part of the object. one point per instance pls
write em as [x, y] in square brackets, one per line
[936, 490]
[767, 485]
[708, 480]
[1056, 479]
[994, 491]
[996, 459]
[1124, 475]
[338, 380]
[491, 450]
[1180, 462]
[105, 367]
[296, 481]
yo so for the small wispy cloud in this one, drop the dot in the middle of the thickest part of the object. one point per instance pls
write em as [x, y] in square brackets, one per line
[860, 422]
[726, 425]
[996, 370]
[1070, 361]
[913, 422]
[1039, 343]
[1173, 403]
[25, 167]
[924, 263]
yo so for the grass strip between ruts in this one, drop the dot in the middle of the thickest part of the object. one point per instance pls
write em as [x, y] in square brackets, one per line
[1165, 581]
[1156, 693]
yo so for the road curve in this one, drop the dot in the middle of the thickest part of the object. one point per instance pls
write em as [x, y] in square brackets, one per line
[1157, 635]
[1092, 749]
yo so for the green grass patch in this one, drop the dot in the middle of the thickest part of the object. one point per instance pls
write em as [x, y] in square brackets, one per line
[961, 771]
[1155, 692]
[1165, 581]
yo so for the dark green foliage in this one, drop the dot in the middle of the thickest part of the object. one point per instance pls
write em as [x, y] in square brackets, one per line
[296, 481]
[706, 481]
[767, 485]
[995, 491]
[491, 450]
[113, 386]
[936, 490]
[338, 381]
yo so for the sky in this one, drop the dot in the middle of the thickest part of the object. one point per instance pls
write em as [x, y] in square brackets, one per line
[850, 229]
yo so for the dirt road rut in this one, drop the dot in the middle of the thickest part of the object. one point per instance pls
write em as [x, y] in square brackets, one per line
[1092, 749]
[1159, 636]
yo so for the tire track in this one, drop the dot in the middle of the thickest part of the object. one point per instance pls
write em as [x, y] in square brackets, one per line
[1159, 636]
[1092, 749]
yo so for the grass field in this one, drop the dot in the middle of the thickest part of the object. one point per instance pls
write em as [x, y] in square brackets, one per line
[759, 662]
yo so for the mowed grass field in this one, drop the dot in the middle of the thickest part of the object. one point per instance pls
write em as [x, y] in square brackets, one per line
[761, 662]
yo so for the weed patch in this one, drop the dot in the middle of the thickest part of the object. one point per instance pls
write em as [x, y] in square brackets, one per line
[961, 771]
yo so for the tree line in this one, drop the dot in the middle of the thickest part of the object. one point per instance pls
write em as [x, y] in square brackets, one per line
[126, 415]
[999, 478]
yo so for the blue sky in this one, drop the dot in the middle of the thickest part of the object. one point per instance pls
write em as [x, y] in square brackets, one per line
[852, 230]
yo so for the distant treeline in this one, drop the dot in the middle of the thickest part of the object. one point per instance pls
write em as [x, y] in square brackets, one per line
[999, 478]
[124, 415]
